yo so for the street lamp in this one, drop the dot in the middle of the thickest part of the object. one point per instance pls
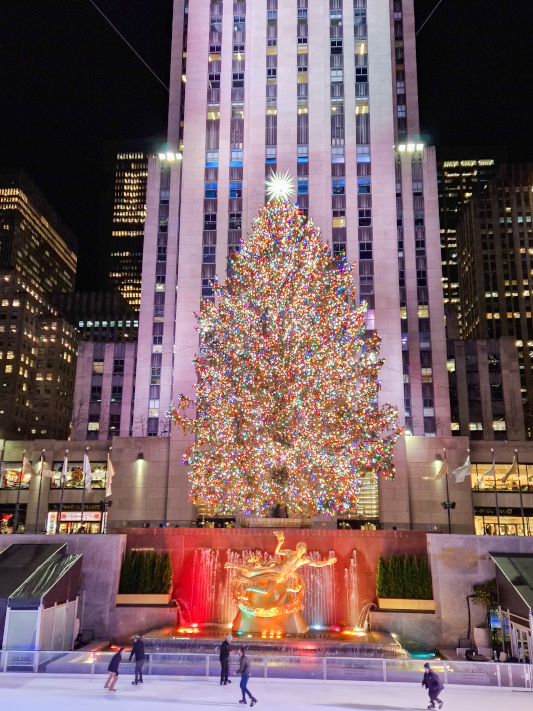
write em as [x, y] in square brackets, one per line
[448, 505]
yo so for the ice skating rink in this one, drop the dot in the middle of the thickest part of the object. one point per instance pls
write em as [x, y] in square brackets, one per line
[45, 692]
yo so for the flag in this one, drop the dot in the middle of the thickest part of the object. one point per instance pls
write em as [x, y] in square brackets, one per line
[490, 472]
[88, 473]
[45, 470]
[461, 473]
[442, 472]
[64, 470]
[27, 469]
[513, 469]
[110, 475]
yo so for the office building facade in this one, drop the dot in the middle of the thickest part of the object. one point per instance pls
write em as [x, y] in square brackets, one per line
[495, 241]
[104, 388]
[101, 317]
[128, 211]
[460, 174]
[325, 90]
[33, 239]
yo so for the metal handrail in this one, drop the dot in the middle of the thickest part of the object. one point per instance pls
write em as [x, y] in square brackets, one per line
[271, 666]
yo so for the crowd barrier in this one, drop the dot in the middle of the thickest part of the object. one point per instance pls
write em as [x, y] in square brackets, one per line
[492, 674]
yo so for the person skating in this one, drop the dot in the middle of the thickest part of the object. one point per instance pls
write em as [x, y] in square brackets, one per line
[137, 651]
[434, 686]
[224, 660]
[113, 670]
[244, 671]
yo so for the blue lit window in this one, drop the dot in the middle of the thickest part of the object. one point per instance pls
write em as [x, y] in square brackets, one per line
[235, 159]
[363, 154]
[210, 190]
[338, 186]
[303, 154]
[270, 154]
[235, 190]
[363, 186]
[303, 186]
[211, 159]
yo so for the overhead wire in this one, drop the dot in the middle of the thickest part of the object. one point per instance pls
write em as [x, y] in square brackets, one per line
[106, 18]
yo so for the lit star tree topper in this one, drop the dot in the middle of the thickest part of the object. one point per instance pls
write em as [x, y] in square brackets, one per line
[280, 187]
[286, 409]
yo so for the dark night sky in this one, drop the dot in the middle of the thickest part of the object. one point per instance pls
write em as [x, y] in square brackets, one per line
[69, 84]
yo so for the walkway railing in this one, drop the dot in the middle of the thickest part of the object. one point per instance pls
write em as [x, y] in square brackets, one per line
[494, 674]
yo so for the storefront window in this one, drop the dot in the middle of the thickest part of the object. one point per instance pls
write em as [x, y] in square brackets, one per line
[71, 521]
[11, 476]
[486, 483]
[510, 521]
[75, 478]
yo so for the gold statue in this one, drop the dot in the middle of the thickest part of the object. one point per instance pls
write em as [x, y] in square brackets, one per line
[269, 596]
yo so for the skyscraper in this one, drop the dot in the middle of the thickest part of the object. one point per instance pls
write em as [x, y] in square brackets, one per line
[37, 347]
[495, 241]
[326, 90]
[128, 210]
[460, 173]
[33, 239]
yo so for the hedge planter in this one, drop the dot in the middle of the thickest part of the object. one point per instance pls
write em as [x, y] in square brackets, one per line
[145, 600]
[406, 605]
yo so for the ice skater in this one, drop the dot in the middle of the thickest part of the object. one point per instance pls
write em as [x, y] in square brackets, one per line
[113, 670]
[244, 671]
[434, 686]
[224, 660]
[137, 651]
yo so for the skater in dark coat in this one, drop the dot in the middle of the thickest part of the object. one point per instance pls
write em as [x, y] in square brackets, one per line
[137, 651]
[434, 686]
[244, 671]
[224, 660]
[113, 670]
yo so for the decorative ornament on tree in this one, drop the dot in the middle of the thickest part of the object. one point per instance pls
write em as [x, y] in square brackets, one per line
[286, 412]
[280, 187]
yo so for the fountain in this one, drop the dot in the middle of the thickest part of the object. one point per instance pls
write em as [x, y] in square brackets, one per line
[292, 602]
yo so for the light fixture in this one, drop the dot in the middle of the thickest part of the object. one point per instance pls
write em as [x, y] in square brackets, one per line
[410, 147]
[419, 146]
[140, 456]
[402, 147]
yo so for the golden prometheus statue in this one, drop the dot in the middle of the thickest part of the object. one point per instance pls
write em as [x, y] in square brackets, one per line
[269, 596]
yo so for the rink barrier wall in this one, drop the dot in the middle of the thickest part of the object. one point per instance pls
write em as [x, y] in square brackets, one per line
[486, 674]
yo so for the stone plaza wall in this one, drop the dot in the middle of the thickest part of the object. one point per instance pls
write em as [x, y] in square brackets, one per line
[457, 564]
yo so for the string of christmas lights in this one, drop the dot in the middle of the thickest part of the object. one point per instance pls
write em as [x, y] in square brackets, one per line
[286, 408]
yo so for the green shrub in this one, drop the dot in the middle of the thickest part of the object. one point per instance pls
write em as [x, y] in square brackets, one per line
[145, 573]
[382, 581]
[403, 577]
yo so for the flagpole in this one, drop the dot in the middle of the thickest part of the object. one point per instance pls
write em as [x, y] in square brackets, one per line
[496, 491]
[62, 492]
[39, 494]
[16, 517]
[83, 492]
[448, 508]
[104, 512]
[520, 491]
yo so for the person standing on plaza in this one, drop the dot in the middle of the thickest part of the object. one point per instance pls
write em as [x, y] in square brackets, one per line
[244, 671]
[224, 660]
[137, 651]
[113, 670]
[434, 686]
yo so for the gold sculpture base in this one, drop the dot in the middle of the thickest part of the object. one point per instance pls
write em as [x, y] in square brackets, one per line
[292, 623]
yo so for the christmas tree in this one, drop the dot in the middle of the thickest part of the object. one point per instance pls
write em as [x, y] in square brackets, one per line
[286, 410]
